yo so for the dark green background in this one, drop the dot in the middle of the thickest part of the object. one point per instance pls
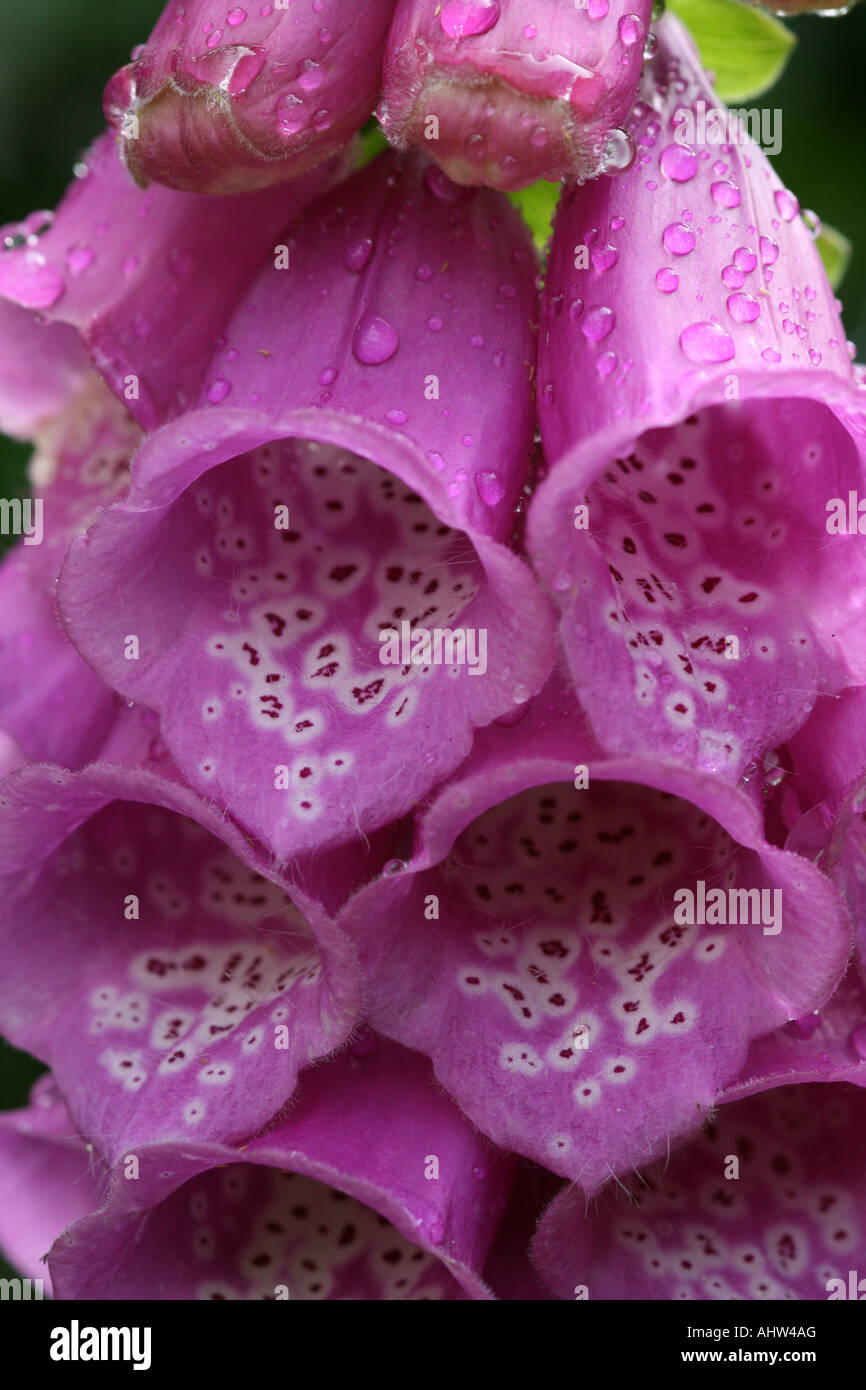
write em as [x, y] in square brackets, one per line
[57, 54]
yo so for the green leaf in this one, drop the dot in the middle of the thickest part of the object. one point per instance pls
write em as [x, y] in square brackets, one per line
[373, 142]
[746, 48]
[538, 204]
[835, 252]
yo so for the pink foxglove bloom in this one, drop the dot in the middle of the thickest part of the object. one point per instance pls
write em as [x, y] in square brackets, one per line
[221, 102]
[347, 489]
[504, 92]
[698, 407]
[766, 1204]
[590, 986]
[432, 681]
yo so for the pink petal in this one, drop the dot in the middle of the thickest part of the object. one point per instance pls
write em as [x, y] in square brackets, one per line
[530, 946]
[784, 1227]
[656, 390]
[260, 645]
[155, 960]
[372, 1186]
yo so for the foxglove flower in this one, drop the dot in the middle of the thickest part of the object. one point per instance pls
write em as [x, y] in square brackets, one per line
[504, 92]
[339, 481]
[766, 1204]
[163, 967]
[221, 102]
[698, 407]
[375, 938]
[373, 1186]
[572, 1004]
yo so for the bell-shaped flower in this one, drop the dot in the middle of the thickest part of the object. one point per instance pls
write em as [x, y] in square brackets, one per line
[156, 959]
[703, 427]
[587, 946]
[315, 560]
[767, 1204]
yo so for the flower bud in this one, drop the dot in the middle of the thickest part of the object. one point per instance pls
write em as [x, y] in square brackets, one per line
[505, 92]
[222, 103]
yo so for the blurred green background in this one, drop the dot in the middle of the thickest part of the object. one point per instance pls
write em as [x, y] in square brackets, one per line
[57, 54]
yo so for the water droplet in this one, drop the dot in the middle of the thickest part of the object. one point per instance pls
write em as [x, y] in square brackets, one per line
[678, 239]
[328, 376]
[597, 9]
[631, 30]
[358, 254]
[394, 866]
[490, 488]
[619, 152]
[29, 281]
[769, 251]
[78, 258]
[375, 340]
[423, 272]
[678, 163]
[787, 204]
[598, 323]
[745, 259]
[813, 222]
[771, 355]
[218, 390]
[743, 308]
[667, 280]
[462, 18]
[725, 193]
[733, 277]
[604, 257]
[707, 342]
[396, 417]
[236, 17]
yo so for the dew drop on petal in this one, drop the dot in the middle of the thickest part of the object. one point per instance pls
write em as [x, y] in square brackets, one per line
[375, 340]
[743, 308]
[358, 254]
[598, 323]
[769, 251]
[787, 204]
[667, 280]
[218, 390]
[726, 194]
[678, 239]
[631, 30]
[707, 342]
[489, 486]
[678, 163]
[463, 18]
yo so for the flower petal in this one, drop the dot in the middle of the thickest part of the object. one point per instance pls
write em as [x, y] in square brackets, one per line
[536, 948]
[274, 537]
[783, 1224]
[372, 1186]
[155, 960]
[52, 704]
[698, 408]
[41, 368]
[46, 1179]
[147, 278]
